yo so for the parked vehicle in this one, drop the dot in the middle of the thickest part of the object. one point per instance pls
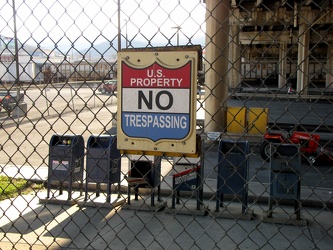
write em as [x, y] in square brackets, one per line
[9, 100]
[309, 143]
[108, 87]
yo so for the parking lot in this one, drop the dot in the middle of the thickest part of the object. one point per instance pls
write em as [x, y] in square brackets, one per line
[47, 114]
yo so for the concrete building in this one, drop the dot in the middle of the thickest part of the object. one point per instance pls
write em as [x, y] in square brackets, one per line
[264, 42]
[285, 41]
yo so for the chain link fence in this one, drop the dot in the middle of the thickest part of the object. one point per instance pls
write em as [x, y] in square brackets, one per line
[263, 176]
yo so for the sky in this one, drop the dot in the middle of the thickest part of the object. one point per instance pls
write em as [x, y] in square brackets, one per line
[86, 22]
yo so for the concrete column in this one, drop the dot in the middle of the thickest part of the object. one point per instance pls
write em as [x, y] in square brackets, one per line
[303, 58]
[329, 67]
[235, 58]
[282, 78]
[217, 38]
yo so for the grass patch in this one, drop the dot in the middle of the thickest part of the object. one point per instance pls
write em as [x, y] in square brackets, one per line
[10, 187]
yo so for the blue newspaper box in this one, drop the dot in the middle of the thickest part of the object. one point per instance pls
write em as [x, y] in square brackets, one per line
[233, 168]
[188, 180]
[103, 163]
[285, 184]
[66, 162]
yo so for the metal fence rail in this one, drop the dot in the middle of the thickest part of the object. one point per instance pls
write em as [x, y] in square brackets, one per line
[263, 178]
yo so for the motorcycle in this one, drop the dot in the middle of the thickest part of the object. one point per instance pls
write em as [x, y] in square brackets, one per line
[309, 144]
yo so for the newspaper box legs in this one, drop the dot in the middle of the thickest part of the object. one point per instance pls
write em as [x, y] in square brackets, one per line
[66, 164]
